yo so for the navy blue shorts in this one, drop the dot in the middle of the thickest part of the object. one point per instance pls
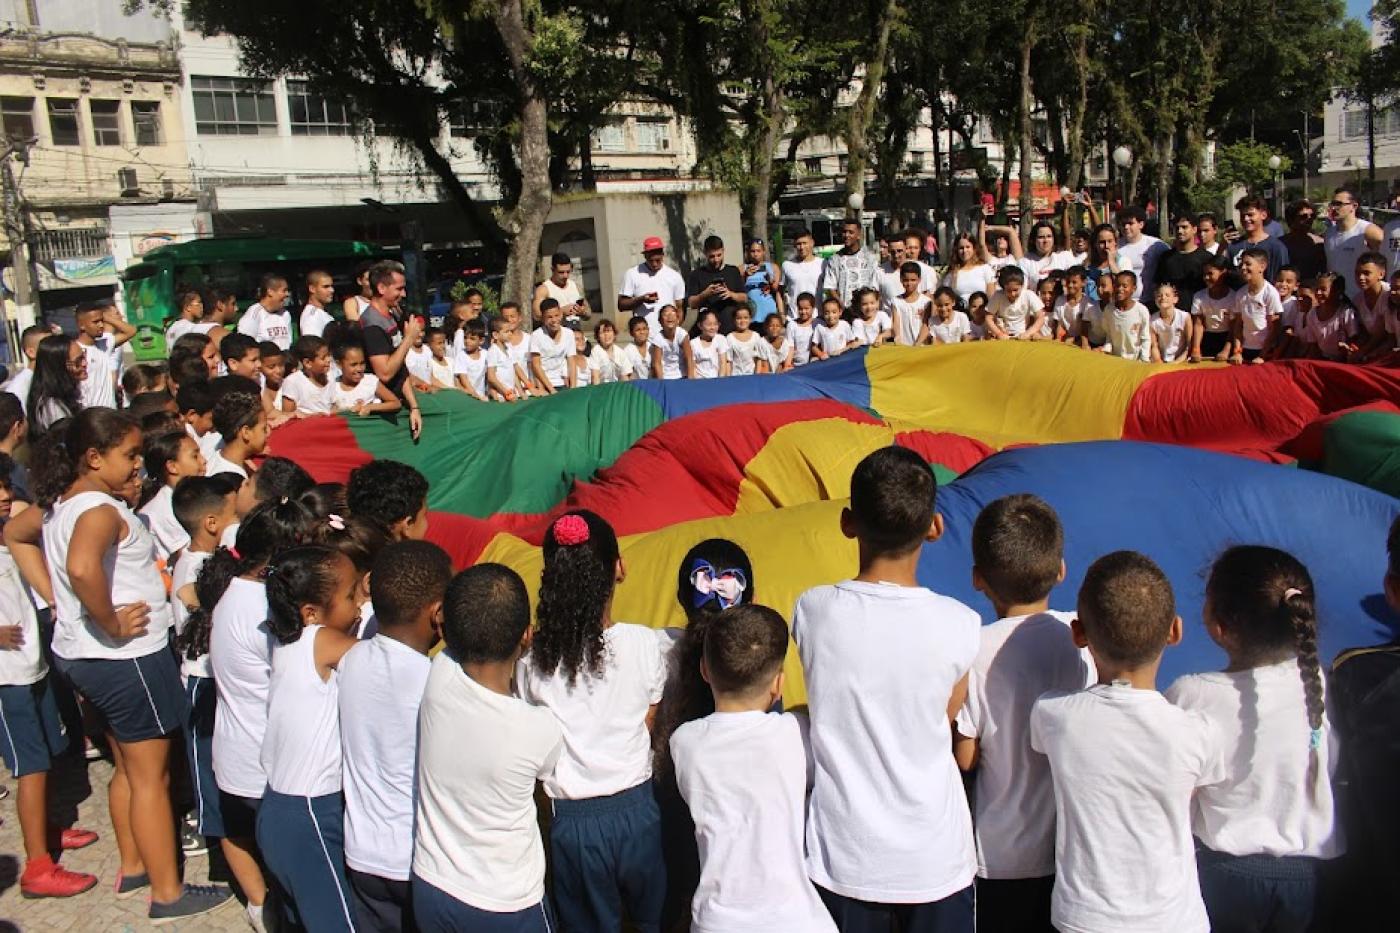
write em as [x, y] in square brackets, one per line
[33, 735]
[382, 905]
[1213, 341]
[436, 911]
[199, 745]
[608, 862]
[953, 914]
[140, 698]
[302, 840]
[1258, 892]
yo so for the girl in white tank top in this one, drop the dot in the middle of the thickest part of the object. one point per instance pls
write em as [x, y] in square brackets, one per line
[313, 596]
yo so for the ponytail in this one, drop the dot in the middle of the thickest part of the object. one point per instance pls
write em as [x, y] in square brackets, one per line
[298, 576]
[580, 560]
[1297, 607]
[57, 458]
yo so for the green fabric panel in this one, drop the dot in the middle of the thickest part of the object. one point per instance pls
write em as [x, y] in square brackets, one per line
[485, 458]
[942, 474]
[1364, 447]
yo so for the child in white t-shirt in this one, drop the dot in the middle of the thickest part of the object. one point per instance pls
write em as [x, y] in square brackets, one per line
[517, 347]
[888, 821]
[310, 390]
[1257, 308]
[1048, 290]
[1127, 323]
[1171, 329]
[1273, 817]
[1285, 341]
[1124, 763]
[708, 347]
[418, 362]
[1330, 330]
[608, 362]
[977, 315]
[743, 772]
[551, 348]
[469, 368]
[1014, 311]
[168, 458]
[638, 352]
[669, 347]
[832, 336]
[799, 331]
[583, 375]
[778, 348]
[504, 376]
[1211, 309]
[1017, 548]
[909, 310]
[441, 374]
[358, 391]
[947, 322]
[746, 353]
[476, 843]
[602, 680]
[1074, 311]
[870, 323]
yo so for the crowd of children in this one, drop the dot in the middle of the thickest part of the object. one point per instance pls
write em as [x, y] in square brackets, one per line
[281, 635]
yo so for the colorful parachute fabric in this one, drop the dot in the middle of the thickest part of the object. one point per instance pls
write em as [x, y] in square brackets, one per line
[1177, 462]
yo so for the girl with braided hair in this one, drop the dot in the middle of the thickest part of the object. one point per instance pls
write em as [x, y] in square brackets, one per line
[1265, 833]
[602, 680]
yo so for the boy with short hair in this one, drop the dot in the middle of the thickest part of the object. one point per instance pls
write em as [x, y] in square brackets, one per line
[141, 379]
[1171, 329]
[1257, 307]
[320, 292]
[636, 351]
[393, 494]
[242, 357]
[241, 422]
[470, 365]
[272, 370]
[478, 862]
[743, 773]
[310, 390]
[833, 336]
[267, 318]
[29, 342]
[1076, 314]
[799, 331]
[1127, 323]
[440, 375]
[381, 687]
[889, 834]
[195, 402]
[504, 376]
[13, 429]
[1372, 301]
[1014, 311]
[1286, 340]
[1017, 560]
[33, 733]
[103, 350]
[1124, 763]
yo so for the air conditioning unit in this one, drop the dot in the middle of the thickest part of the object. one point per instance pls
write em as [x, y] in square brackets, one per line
[126, 181]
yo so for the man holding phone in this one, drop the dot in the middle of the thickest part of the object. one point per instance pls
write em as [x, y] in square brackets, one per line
[716, 286]
[651, 284]
[563, 290]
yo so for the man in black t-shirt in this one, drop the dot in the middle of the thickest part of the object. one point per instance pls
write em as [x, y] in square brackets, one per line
[1184, 266]
[388, 337]
[715, 286]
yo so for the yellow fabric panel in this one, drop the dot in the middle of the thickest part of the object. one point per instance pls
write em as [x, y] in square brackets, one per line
[808, 461]
[1006, 392]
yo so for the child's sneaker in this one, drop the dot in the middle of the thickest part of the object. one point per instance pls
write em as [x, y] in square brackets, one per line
[45, 878]
[196, 899]
[130, 886]
[70, 839]
[192, 844]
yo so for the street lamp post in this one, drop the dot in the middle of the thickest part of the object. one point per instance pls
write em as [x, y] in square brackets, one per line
[1274, 163]
[1122, 157]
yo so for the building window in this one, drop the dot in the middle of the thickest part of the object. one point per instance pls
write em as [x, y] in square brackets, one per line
[609, 138]
[314, 115]
[63, 121]
[233, 107]
[843, 162]
[653, 135]
[18, 117]
[812, 166]
[106, 126]
[145, 116]
[1354, 124]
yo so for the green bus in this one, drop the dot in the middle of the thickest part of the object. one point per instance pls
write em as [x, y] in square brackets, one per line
[151, 285]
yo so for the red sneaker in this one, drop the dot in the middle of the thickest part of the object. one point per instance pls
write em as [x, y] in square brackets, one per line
[44, 878]
[69, 839]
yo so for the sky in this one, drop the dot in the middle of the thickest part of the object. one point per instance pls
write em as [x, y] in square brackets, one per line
[1358, 9]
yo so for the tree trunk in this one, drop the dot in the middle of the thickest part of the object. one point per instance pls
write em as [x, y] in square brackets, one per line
[1165, 137]
[588, 179]
[769, 130]
[525, 224]
[1079, 105]
[1027, 195]
[863, 110]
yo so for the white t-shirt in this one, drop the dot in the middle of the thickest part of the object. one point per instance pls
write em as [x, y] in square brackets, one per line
[907, 318]
[779, 356]
[1264, 805]
[1256, 312]
[503, 365]
[23, 665]
[1329, 335]
[185, 573]
[210, 443]
[607, 748]
[1343, 248]
[182, 327]
[314, 321]
[381, 688]
[441, 373]
[744, 354]
[132, 577]
[418, 361]
[366, 391]
[671, 353]
[744, 777]
[954, 330]
[638, 360]
[217, 464]
[1292, 317]
[1069, 314]
[667, 283]
[18, 386]
[301, 747]
[1014, 317]
[799, 278]
[965, 282]
[1036, 267]
[240, 657]
[554, 353]
[159, 516]
[473, 367]
[1170, 337]
[800, 336]
[310, 397]
[100, 386]
[1213, 313]
[1371, 314]
[833, 339]
[261, 324]
[1125, 763]
[868, 331]
[1141, 258]
[477, 833]
[888, 820]
[1019, 659]
[707, 355]
[609, 365]
[1129, 332]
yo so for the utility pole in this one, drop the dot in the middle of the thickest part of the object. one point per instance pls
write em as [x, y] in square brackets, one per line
[19, 246]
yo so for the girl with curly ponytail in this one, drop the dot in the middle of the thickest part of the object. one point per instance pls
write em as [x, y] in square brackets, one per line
[602, 680]
[1265, 832]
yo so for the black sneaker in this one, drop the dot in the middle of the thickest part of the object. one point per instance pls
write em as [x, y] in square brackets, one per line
[191, 842]
[196, 899]
[130, 886]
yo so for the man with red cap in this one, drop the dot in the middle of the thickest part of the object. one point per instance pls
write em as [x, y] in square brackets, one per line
[651, 284]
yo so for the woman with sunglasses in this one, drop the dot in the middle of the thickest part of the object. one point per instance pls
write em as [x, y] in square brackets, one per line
[602, 680]
[60, 366]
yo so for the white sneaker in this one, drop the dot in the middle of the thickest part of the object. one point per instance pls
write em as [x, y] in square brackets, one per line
[254, 917]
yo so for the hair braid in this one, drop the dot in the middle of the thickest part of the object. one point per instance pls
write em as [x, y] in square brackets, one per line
[1299, 609]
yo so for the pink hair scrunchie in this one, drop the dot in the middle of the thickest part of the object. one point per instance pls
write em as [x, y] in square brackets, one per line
[570, 530]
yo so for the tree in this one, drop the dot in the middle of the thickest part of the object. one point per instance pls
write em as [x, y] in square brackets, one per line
[861, 114]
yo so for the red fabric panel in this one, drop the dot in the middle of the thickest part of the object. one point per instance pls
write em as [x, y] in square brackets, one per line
[954, 451]
[324, 446]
